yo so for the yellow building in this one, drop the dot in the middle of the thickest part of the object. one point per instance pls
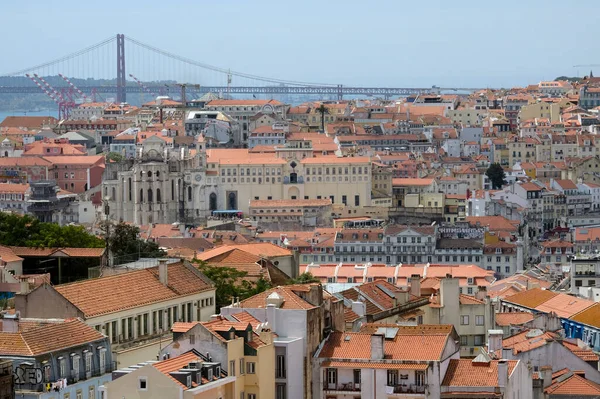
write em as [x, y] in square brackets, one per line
[521, 150]
[187, 376]
[547, 108]
[238, 344]
[467, 116]
[241, 176]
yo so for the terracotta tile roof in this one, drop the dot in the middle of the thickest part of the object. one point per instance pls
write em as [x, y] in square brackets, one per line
[513, 319]
[48, 337]
[564, 305]
[176, 363]
[586, 355]
[132, 289]
[49, 252]
[262, 249]
[574, 386]
[291, 300]
[528, 340]
[408, 344]
[589, 316]
[466, 373]
[28, 122]
[88, 160]
[350, 315]
[469, 300]
[13, 188]
[7, 255]
[221, 103]
[494, 223]
[182, 327]
[531, 298]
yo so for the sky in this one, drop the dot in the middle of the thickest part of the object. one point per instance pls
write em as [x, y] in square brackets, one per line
[459, 43]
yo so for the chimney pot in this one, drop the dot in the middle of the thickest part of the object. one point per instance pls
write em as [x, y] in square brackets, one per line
[163, 271]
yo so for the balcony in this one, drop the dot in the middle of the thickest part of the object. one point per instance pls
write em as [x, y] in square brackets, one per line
[71, 380]
[408, 388]
[342, 387]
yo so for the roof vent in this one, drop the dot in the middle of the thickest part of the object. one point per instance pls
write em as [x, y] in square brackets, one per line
[275, 299]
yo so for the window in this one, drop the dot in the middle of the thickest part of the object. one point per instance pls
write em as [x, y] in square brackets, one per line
[357, 200]
[79, 394]
[331, 376]
[251, 396]
[92, 392]
[420, 378]
[232, 368]
[479, 340]
[62, 365]
[356, 374]
[470, 290]
[392, 378]
[464, 341]
[280, 391]
[479, 320]
[251, 368]
[242, 366]
[142, 383]
[464, 320]
[280, 367]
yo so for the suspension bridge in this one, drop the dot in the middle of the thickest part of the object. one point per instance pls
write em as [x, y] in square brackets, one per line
[153, 71]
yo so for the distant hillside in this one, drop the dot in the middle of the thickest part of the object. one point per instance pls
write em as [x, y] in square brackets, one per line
[27, 102]
[568, 79]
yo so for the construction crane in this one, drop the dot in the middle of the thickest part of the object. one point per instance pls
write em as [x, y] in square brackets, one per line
[68, 104]
[81, 94]
[183, 89]
[63, 112]
[142, 85]
[586, 66]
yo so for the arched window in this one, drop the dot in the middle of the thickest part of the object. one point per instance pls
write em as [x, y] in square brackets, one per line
[157, 173]
[149, 174]
[189, 193]
[141, 174]
[149, 195]
[232, 201]
[105, 192]
[212, 202]
[113, 194]
[130, 189]
[141, 195]
[158, 197]
[172, 190]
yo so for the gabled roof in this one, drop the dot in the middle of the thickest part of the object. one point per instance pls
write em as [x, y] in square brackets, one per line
[261, 249]
[513, 318]
[407, 344]
[468, 373]
[290, 294]
[132, 289]
[47, 337]
[531, 298]
[574, 386]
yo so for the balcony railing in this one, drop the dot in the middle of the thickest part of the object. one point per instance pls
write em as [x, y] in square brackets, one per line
[409, 388]
[71, 379]
[344, 387]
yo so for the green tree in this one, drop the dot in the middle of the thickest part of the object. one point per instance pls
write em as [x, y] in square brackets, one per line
[304, 278]
[231, 283]
[322, 109]
[496, 175]
[126, 246]
[29, 232]
[114, 156]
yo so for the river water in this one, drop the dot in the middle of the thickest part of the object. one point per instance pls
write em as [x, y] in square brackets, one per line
[51, 112]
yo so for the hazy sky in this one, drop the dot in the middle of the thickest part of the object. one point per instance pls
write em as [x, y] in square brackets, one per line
[367, 43]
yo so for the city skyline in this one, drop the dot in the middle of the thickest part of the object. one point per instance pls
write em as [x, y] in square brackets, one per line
[453, 45]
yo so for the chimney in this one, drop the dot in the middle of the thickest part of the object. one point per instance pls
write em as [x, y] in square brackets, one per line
[415, 285]
[377, 346]
[495, 340]
[271, 315]
[449, 292]
[546, 374]
[163, 271]
[359, 308]
[502, 373]
[481, 293]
